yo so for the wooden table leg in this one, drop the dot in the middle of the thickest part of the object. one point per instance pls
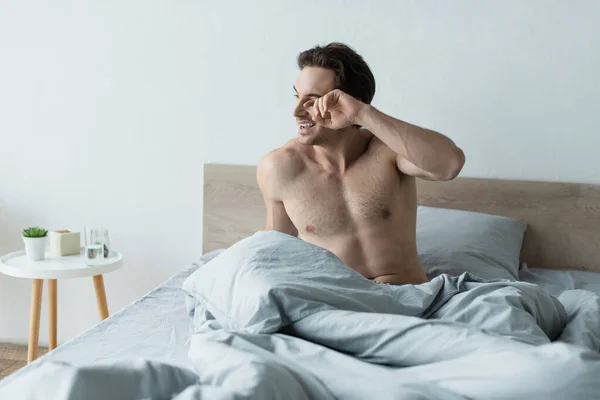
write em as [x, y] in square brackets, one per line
[52, 314]
[101, 296]
[34, 319]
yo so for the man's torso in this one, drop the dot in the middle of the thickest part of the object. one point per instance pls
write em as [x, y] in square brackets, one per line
[365, 215]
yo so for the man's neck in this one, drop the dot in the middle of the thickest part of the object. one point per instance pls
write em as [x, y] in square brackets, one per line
[344, 147]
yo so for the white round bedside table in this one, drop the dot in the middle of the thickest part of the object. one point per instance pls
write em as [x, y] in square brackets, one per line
[52, 268]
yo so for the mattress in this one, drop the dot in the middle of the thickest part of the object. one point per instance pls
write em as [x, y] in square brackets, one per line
[154, 327]
[157, 326]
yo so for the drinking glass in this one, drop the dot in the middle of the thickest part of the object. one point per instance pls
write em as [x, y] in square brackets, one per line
[106, 243]
[94, 245]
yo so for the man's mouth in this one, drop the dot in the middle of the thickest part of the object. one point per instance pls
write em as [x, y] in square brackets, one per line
[305, 126]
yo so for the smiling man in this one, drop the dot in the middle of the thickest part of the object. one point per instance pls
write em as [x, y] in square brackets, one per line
[347, 182]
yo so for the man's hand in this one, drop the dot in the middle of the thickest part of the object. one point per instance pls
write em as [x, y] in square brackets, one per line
[335, 110]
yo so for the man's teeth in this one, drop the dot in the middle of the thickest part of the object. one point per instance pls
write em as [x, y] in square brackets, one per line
[306, 126]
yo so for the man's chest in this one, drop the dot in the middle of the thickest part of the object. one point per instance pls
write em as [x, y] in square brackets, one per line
[326, 203]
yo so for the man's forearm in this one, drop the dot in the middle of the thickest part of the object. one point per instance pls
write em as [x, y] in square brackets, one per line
[424, 148]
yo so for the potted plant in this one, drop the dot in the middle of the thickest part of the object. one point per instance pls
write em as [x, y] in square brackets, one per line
[35, 243]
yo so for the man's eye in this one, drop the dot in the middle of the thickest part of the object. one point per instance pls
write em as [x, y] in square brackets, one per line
[296, 96]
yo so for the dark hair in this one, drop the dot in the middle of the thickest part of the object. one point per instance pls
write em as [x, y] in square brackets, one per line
[351, 73]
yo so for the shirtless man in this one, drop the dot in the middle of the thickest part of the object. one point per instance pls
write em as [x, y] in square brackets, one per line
[347, 182]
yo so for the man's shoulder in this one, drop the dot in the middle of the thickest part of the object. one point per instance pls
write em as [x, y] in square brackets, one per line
[287, 160]
[281, 165]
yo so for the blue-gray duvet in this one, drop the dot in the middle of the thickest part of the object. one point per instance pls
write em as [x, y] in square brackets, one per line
[275, 317]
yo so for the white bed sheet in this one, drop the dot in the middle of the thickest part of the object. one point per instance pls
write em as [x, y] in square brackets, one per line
[157, 326]
[557, 281]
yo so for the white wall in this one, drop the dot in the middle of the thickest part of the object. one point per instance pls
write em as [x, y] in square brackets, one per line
[100, 122]
[515, 83]
[138, 94]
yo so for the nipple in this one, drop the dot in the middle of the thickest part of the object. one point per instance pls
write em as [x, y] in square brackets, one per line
[311, 228]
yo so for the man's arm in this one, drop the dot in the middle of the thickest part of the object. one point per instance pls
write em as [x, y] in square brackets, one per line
[267, 177]
[421, 152]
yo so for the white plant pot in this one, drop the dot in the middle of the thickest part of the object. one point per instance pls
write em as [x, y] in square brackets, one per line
[35, 248]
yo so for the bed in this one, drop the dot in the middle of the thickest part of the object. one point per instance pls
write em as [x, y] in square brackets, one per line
[558, 253]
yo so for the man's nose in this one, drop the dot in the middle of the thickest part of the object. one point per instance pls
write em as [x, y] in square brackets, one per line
[299, 110]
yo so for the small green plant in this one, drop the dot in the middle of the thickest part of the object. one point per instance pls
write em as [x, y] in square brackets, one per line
[35, 232]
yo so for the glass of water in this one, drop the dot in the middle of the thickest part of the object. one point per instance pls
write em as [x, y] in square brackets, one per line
[94, 245]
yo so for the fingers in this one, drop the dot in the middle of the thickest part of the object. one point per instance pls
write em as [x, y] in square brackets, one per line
[312, 109]
[320, 104]
[320, 120]
[326, 104]
[315, 113]
[316, 109]
[308, 104]
[312, 106]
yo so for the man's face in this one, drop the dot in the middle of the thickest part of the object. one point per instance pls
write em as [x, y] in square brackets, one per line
[312, 83]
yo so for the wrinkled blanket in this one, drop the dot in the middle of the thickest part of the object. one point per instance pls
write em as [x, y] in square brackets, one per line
[277, 318]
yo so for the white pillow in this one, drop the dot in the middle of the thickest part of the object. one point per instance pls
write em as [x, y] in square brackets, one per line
[453, 241]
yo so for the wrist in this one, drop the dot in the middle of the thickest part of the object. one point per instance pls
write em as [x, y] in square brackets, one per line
[362, 115]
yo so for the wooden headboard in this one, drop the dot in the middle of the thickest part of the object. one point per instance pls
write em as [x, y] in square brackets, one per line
[563, 218]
